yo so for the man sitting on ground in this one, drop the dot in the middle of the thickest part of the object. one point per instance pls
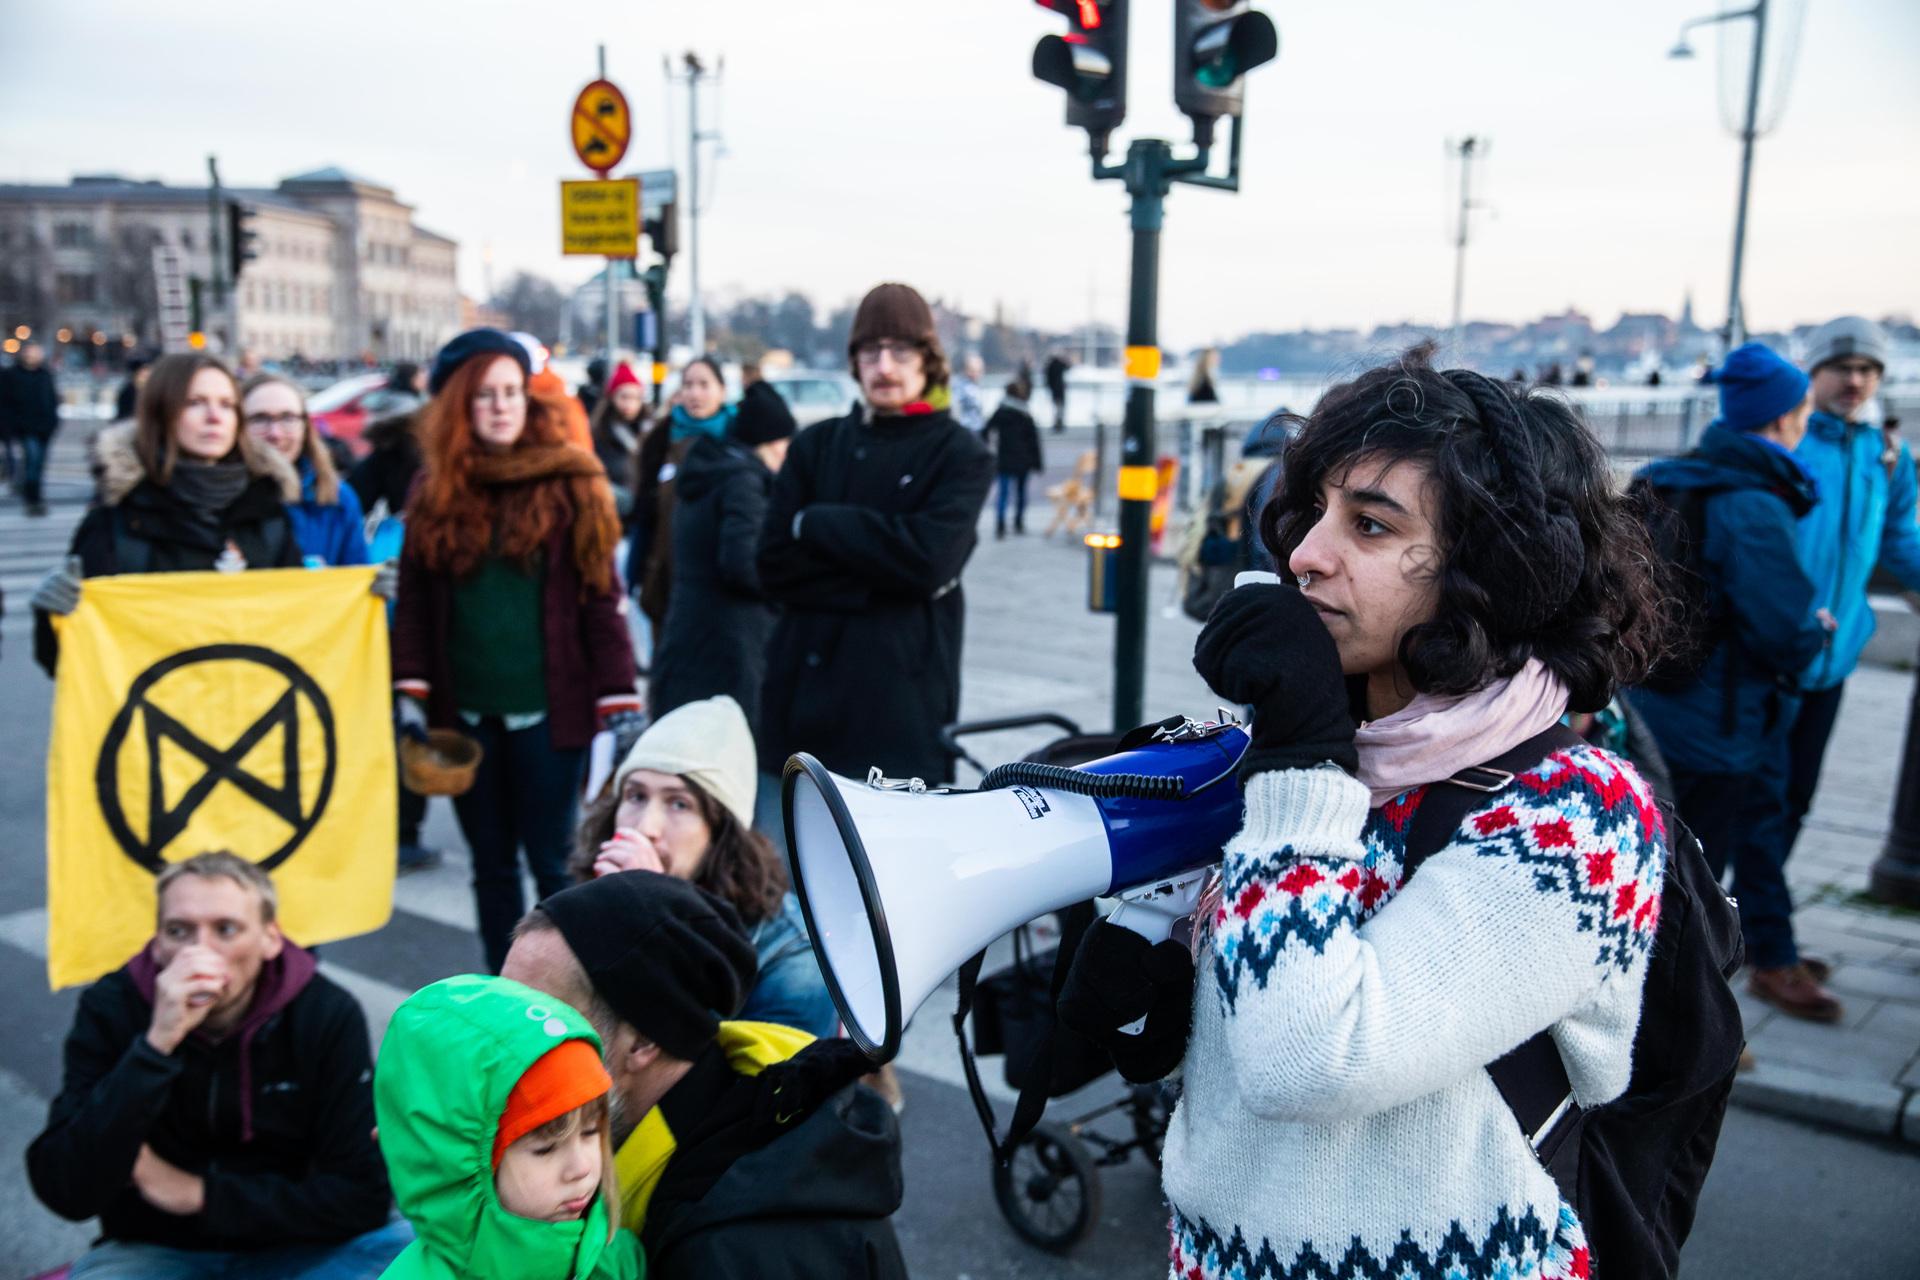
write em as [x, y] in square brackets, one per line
[216, 1111]
[743, 1148]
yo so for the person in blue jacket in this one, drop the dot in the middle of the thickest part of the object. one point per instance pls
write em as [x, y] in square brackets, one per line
[327, 521]
[1746, 491]
[1865, 520]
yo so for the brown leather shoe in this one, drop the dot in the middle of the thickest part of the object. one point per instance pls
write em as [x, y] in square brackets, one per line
[1819, 968]
[1795, 992]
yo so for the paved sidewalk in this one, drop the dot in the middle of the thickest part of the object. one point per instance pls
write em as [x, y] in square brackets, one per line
[1031, 645]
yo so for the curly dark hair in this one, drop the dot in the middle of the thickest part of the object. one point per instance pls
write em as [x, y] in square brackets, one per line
[741, 865]
[1541, 556]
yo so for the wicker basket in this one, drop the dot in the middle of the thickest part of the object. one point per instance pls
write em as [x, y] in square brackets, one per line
[443, 765]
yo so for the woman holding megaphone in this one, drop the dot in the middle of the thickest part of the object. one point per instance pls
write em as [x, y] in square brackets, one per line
[1461, 573]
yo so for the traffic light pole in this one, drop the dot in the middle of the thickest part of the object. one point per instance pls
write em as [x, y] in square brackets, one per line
[1149, 171]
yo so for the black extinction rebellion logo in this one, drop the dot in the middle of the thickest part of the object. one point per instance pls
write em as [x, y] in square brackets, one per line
[291, 689]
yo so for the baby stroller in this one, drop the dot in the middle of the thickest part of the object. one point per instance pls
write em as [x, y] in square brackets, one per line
[1048, 1189]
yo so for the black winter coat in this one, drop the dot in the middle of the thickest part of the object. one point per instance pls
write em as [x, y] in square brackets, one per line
[29, 404]
[143, 526]
[387, 472]
[864, 667]
[1016, 440]
[806, 1202]
[718, 618]
[311, 1172]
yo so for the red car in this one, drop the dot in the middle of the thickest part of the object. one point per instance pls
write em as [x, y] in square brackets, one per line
[344, 409]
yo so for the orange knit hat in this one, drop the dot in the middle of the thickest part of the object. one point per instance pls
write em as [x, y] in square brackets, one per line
[566, 1076]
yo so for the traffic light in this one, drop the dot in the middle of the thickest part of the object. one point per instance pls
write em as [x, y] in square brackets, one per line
[1215, 43]
[664, 231]
[1090, 63]
[243, 242]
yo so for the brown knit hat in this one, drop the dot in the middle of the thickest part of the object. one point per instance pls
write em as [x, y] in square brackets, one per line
[897, 311]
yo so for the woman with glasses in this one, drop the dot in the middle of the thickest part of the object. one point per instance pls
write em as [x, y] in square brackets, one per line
[327, 520]
[508, 625]
[182, 487]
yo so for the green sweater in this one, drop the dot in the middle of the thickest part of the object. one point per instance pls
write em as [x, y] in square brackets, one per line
[452, 1054]
[497, 652]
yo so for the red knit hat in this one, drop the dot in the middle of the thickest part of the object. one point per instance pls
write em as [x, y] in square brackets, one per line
[624, 376]
[566, 1076]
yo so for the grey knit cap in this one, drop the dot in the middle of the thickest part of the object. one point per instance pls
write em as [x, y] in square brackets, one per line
[1845, 337]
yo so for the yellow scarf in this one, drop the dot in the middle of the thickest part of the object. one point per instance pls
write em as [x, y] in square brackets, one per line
[751, 1047]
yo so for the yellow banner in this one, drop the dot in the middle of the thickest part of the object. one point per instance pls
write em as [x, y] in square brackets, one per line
[249, 712]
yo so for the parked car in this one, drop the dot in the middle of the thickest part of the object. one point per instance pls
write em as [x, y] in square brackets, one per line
[814, 396]
[344, 409]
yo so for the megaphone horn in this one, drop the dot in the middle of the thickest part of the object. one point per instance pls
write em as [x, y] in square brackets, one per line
[900, 884]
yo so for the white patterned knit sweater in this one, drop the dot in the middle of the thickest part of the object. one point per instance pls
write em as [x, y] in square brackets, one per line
[1338, 1119]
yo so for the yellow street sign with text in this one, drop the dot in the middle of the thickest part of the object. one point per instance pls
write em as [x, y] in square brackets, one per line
[600, 218]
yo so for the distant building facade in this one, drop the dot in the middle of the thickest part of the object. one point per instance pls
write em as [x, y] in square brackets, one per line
[342, 270]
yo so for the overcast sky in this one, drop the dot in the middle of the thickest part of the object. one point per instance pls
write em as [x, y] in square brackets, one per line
[867, 140]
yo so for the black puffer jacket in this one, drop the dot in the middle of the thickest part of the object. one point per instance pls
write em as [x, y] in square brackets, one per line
[864, 668]
[747, 1195]
[142, 526]
[1016, 440]
[718, 618]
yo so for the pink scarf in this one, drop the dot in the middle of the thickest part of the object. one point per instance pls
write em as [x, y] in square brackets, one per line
[1435, 737]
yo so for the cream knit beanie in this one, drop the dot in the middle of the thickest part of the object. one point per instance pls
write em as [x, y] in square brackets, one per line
[707, 743]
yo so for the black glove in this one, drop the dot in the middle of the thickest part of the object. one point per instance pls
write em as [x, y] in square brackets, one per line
[1265, 646]
[1117, 978]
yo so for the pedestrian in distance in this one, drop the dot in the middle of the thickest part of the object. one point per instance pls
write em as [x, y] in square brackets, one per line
[215, 1112]
[595, 387]
[1721, 709]
[493, 1109]
[510, 624]
[30, 416]
[742, 1148]
[547, 386]
[968, 410]
[719, 621]
[873, 518]
[1017, 455]
[682, 803]
[1432, 870]
[1056, 375]
[327, 521]
[619, 419]
[128, 395]
[182, 488]
[1201, 388]
[700, 408]
[1866, 521]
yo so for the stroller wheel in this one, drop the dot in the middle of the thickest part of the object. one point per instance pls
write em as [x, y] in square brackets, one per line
[1049, 1192]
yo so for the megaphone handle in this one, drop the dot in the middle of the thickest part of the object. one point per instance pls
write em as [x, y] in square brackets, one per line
[1154, 911]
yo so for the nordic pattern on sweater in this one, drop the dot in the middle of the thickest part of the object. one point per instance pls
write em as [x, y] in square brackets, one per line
[1337, 1113]
[1575, 822]
[1510, 1250]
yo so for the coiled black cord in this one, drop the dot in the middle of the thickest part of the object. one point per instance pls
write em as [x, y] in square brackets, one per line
[1136, 786]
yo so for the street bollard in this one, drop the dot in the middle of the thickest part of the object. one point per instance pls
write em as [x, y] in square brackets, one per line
[1896, 873]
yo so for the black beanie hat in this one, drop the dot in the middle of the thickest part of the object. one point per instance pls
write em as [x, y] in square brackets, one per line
[762, 416]
[466, 346]
[670, 959]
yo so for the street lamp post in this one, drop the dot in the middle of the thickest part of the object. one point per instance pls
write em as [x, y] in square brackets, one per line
[1736, 316]
[1896, 873]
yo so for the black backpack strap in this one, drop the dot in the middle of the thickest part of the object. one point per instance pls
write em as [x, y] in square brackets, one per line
[1532, 1078]
[1032, 1102]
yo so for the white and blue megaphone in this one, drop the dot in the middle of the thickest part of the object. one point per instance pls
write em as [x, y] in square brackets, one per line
[901, 883]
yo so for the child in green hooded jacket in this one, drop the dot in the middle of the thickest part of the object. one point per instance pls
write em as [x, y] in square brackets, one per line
[492, 1107]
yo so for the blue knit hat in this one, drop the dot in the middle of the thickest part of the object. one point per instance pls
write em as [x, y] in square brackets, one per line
[1756, 387]
[475, 342]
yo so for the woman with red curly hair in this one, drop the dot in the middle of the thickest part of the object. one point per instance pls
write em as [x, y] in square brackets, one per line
[509, 624]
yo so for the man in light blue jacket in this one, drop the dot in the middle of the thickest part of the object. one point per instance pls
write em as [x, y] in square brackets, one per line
[1865, 519]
